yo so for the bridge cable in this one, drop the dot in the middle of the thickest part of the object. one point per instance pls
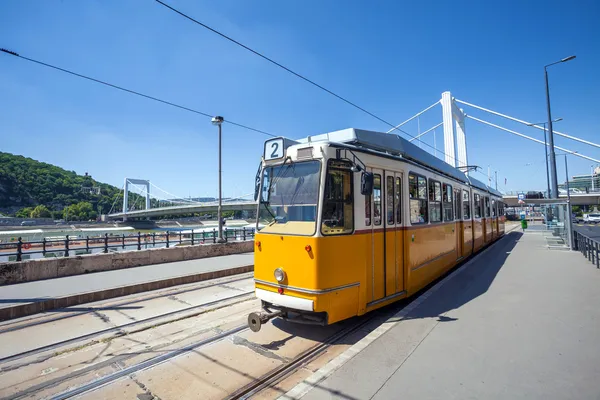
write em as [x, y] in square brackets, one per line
[131, 91]
[394, 127]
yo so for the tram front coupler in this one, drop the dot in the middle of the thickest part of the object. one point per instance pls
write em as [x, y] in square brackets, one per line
[257, 319]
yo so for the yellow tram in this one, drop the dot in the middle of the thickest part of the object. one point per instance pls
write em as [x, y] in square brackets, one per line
[354, 220]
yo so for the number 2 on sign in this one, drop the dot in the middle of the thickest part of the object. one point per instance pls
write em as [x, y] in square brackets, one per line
[274, 149]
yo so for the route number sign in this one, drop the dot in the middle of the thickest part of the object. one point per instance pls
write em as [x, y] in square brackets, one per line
[274, 149]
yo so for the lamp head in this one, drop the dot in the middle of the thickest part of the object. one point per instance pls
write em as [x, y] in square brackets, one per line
[218, 120]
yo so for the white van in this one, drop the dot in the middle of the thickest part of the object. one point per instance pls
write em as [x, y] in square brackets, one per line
[591, 218]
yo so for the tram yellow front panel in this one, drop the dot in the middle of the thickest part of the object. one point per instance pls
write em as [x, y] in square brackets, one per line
[329, 263]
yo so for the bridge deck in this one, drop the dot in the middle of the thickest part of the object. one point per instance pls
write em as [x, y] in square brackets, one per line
[519, 321]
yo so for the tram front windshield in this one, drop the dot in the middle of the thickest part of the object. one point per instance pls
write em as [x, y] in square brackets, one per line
[289, 198]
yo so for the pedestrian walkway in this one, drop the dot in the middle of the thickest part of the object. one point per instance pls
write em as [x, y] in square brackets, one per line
[519, 321]
[37, 291]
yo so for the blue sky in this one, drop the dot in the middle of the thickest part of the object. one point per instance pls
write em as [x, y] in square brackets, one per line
[393, 58]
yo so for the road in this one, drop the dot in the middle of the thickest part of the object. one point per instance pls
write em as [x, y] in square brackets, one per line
[589, 230]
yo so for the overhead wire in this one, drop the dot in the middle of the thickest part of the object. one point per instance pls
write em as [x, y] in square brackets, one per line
[131, 91]
[272, 61]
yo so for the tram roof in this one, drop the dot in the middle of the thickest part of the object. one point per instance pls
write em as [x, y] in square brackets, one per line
[389, 144]
[480, 185]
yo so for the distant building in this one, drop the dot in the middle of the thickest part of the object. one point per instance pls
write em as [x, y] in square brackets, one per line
[584, 182]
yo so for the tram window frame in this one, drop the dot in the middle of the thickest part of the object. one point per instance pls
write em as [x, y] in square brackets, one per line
[390, 214]
[447, 205]
[376, 203]
[494, 213]
[347, 203]
[417, 196]
[435, 201]
[476, 206]
[466, 201]
[398, 200]
[486, 207]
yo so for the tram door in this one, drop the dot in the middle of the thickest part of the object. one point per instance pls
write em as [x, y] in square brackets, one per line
[377, 275]
[460, 233]
[387, 276]
[394, 239]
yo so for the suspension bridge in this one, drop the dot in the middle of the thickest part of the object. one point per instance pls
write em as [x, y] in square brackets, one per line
[454, 152]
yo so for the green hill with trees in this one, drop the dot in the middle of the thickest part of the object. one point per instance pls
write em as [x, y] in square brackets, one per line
[33, 189]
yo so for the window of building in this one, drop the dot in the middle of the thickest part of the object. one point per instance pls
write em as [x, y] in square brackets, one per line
[487, 207]
[338, 204]
[398, 201]
[389, 200]
[417, 192]
[447, 200]
[477, 206]
[377, 199]
[466, 205]
[435, 201]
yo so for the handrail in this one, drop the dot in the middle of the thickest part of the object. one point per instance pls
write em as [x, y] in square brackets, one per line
[69, 245]
[589, 247]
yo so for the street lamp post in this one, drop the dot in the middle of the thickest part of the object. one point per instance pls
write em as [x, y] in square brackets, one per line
[218, 120]
[546, 151]
[550, 131]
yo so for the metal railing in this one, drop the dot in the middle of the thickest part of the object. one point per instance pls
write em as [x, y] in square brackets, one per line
[590, 248]
[77, 245]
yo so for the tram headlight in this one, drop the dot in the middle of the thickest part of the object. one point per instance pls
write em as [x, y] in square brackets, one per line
[279, 275]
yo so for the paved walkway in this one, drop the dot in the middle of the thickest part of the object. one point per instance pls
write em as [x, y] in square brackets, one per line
[71, 285]
[518, 322]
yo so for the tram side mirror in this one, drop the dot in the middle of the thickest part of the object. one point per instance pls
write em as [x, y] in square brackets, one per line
[366, 183]
[257, 184]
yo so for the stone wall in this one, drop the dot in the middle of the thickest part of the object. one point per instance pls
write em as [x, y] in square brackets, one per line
[34, 270]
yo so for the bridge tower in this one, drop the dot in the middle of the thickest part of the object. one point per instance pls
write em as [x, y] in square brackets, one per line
[132, 181]
[455, 143]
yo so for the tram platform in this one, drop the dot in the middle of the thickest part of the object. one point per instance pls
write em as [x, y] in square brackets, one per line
[32, 297]
[519, 321]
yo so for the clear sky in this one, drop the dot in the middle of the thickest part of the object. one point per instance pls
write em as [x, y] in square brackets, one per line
[393, 58]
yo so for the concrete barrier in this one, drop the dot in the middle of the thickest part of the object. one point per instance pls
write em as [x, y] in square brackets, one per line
[22, 310]
[35, 270]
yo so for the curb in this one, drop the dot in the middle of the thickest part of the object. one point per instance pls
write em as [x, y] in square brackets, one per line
[23, 310]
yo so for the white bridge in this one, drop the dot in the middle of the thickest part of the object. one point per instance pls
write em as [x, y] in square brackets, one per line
[455, 153]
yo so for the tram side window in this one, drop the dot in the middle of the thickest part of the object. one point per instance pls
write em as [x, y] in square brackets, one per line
[417, 192]
[477, 206]
[466, 205]
[389, 200]
[457, 204]
[368, 210]
[398, 201]
[493, 208]
[338, 205]
[487, 207]
[447, 199]
[435, 201]
[377, 199]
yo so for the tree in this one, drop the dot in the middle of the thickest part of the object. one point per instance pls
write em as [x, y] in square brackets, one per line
[41, 211]
[82, 211]
[24, 212]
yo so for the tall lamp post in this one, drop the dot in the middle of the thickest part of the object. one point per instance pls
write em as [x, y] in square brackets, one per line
[550, 131]
[546, 150]
[218, 120]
